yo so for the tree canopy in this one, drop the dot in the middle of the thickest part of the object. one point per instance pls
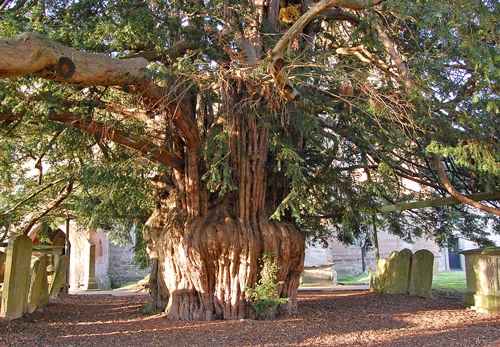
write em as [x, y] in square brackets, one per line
[380, 88]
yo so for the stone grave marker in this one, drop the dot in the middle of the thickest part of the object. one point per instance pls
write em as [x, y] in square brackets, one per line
[3, 257]
[390, 277]
[59, 279]
[370, 279]
[421, 273]
[17, 277]
[380, 275]
[39, 292]
[402, 274]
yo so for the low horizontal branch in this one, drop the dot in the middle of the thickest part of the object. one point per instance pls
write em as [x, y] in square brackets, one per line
[439, 202]
[148, 149]
[170, 54]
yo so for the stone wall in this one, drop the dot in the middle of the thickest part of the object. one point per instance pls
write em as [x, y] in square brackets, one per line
[317, 255]
[121, 269]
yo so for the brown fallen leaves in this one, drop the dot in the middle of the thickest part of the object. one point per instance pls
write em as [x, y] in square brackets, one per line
[327, 318]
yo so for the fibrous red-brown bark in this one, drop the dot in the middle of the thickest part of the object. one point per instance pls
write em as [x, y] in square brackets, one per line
[204, 265]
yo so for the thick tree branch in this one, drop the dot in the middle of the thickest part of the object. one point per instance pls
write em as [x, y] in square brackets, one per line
[153, 124]
[437, 202]
[35, 54]
[101, 131]
[337, 14]
[333, 14]
[151, 151]
[449, 187]
[172, 53]
[285, 86]
[9, 116]
[136, 113]
[393, 53]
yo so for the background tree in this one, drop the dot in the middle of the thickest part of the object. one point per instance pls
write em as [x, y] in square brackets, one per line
[253, 143]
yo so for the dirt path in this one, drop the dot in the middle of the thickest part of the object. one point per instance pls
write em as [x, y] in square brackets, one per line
[327, 318]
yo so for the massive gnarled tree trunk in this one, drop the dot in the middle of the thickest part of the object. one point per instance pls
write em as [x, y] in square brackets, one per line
[205, 246]
[203, 263]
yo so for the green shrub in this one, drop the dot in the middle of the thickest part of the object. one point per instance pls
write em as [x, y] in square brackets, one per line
[264, 297]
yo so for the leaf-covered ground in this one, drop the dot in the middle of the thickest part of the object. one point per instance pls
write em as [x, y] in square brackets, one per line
[326, 318]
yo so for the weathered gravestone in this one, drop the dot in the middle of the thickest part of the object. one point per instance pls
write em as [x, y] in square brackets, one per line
[370, 279]
[39, 289]
[422, 263]
[380, 275]
[398, 272]
[17, 277]
[59, 279]
[405, 273]
[391, 273]
[402, 272]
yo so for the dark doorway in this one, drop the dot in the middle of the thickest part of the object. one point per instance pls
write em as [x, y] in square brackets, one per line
[453, 255]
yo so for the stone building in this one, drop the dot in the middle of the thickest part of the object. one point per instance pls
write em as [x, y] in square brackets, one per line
[98, 263]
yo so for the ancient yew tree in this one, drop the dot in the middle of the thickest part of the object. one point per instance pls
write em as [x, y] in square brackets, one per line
[254, 123]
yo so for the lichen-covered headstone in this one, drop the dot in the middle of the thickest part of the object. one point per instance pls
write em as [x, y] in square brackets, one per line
[44, 292]
[380, 275]
[402, 272]
[17, 277]
[39, 292]
[391, 273]
[422, 264]
[59, 279]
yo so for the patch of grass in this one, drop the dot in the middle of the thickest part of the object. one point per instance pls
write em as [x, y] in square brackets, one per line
[445, 280]
[450, 285]
[450, 280]
[127, 285]
[354, 279]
